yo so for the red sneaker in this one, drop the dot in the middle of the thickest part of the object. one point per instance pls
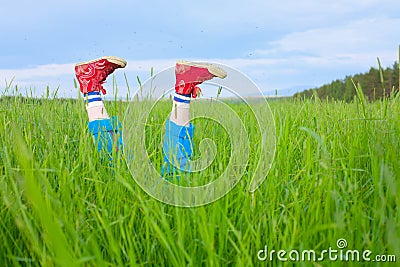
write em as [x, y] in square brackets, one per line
[92, 74]
[190, 74]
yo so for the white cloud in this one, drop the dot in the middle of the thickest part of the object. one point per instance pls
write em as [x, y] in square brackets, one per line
[139, 66]
[359, 42]
[50, 70]
[62, 75]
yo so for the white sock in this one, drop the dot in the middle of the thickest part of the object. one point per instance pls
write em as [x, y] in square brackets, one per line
[95, 107]
[180, 113]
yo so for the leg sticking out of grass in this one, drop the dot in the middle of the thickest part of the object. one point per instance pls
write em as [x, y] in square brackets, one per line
[91, 75]
[178, 137]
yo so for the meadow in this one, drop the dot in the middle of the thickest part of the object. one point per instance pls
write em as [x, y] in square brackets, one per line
[335, 176]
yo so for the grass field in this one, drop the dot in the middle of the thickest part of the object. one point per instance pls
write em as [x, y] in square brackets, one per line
[335, 176]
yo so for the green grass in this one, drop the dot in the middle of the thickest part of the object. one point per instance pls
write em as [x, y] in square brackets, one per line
[335, 175]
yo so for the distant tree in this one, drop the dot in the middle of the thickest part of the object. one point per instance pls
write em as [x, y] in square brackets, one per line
[349, 90]
[370, 82]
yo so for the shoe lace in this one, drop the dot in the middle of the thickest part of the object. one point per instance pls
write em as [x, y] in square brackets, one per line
[196, 91]
[102, 79]
[99, 85]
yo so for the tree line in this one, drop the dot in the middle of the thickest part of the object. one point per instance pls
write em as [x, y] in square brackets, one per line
[376, 84]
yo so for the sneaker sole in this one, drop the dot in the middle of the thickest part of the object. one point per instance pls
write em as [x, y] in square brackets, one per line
[116, 60]
[213, 69]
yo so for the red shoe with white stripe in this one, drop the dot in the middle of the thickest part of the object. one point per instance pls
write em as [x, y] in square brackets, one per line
[190, 74]
[92, 74]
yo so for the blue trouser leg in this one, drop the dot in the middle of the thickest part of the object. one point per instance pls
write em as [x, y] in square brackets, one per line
[177, 145]
[107, 134]
[177, 148]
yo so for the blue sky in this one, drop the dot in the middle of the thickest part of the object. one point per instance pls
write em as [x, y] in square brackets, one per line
[281, 45]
